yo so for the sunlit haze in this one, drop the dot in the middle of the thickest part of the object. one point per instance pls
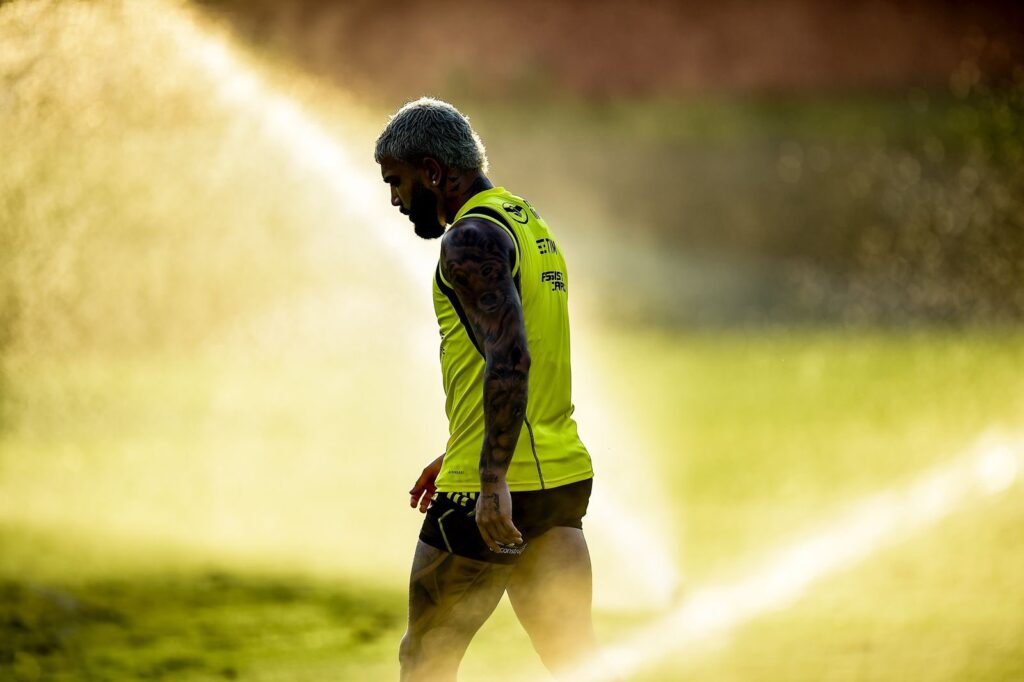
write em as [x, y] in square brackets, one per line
[796, 332]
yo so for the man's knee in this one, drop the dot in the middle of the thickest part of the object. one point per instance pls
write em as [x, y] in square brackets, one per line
[560, 648]
[433, 655]
[412, 664]
[405, 651]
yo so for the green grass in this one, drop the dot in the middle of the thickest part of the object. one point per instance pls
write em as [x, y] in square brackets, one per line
[196, 625]
[791, 423]
[753, 438]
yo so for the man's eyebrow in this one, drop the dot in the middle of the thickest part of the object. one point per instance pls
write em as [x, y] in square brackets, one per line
[388, 178]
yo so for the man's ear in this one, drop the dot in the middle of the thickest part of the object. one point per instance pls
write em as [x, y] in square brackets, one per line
[431, 172]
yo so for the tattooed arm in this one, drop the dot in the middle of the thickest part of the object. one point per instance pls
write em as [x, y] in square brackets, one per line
[476, 259]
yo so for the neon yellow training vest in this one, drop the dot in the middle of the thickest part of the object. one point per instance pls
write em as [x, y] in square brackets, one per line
[549, 452]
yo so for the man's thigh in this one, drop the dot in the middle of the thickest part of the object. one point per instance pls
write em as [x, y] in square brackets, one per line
[450, 597]
[556, 569]
[551, 592]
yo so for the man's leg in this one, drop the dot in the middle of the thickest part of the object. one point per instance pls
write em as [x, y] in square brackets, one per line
[450, 597]
[551, 591]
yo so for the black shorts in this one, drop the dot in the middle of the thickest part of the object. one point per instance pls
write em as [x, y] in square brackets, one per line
[450, 524]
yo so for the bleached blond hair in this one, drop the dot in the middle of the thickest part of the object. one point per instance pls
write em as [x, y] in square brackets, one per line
[431, 127]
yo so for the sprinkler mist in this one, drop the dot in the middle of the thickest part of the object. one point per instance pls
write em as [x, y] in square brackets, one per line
[870, 525]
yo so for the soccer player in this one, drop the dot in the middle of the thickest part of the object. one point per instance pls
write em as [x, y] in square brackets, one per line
[507, 498]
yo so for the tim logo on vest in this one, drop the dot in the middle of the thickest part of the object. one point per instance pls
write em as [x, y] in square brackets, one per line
[545, 245]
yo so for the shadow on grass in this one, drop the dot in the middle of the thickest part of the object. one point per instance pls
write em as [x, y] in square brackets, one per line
[205, 626]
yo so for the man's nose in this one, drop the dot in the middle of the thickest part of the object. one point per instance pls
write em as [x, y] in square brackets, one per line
[395, 200]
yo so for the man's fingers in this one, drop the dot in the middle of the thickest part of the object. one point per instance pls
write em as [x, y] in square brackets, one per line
[422, 495]
[423, 485]
[499, 531]
[509, 533]
[494, 534]
[415, 495]
[488, 540]
[427, 497]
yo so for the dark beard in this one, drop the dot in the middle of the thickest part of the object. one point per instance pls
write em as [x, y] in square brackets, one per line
[423, 213]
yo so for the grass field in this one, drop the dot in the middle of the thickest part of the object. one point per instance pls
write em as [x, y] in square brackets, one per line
[753, 437]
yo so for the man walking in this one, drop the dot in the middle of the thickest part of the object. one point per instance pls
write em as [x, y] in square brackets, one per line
[507, 498]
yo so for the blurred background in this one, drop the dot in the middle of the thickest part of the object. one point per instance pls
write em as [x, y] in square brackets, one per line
[796, 233]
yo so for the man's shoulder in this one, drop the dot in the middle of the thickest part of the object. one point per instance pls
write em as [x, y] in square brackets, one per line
[472, 242]
[473, 229]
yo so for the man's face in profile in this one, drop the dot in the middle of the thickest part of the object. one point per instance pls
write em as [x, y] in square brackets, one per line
[413, 197]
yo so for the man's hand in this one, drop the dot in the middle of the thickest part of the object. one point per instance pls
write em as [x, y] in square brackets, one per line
[423, 491]
[494, 513]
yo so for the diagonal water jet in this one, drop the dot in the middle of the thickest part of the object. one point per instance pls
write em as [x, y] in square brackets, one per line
[988, 468]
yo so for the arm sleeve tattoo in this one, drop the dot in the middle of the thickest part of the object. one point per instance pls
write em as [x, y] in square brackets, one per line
[476, 259]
